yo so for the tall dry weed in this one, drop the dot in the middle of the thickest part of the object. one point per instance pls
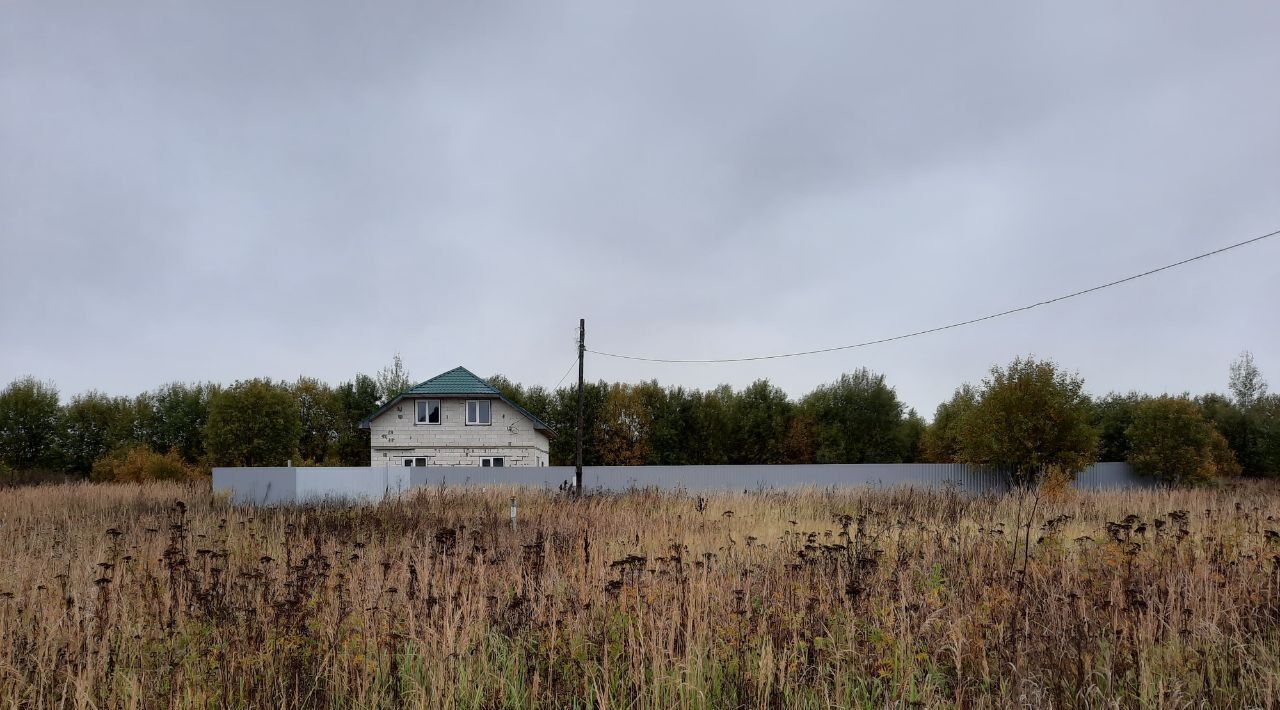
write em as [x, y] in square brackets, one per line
[161, 595]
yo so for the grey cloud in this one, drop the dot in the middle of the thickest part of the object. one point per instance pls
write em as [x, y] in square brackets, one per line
[234, 189]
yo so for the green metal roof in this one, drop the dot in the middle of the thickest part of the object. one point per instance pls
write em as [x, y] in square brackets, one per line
[459, 380]
[462, 382]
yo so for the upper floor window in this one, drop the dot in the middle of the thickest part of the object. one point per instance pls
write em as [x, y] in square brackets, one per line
[477, 411]
[428, 411]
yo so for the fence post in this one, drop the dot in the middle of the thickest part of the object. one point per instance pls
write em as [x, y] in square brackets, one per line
[513, 512]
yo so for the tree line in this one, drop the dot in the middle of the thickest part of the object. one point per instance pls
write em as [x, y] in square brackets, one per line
[182, 429]
[1028, 417]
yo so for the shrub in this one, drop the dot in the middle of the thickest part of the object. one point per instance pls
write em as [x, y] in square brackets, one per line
[1030, 418]
[139, 463]
[1170, 439]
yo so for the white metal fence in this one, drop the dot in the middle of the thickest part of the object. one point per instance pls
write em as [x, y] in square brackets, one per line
[271, 485]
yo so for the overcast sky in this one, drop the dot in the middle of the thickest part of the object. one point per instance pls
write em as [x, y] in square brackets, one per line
[223, 190]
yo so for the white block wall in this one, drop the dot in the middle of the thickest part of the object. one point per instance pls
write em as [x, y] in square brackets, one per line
[394, 436]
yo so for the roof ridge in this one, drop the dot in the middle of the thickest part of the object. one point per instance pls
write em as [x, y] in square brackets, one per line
[447, 384]
[474, 380]
[447, 372]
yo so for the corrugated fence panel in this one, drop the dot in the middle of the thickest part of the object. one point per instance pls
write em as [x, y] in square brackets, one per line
[339, 482]
[278, 485]
[785, 476]
[264, 485]
[1113, 475]
[960, 476]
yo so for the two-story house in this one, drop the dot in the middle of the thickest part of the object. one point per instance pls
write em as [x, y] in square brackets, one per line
[456, 419]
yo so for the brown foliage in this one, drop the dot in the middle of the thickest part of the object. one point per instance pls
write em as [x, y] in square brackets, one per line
[801, 442]
[622, 434]
[138, 464]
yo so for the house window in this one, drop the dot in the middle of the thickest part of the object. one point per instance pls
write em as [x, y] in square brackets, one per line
[477, 412]
[493, 461]
[428, 411]
[418, 461]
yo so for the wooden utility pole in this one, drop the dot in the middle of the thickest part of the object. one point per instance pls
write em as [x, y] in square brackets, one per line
[582, 349]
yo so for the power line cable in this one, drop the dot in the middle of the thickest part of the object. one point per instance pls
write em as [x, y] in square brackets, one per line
[949, 326]
[566, 373]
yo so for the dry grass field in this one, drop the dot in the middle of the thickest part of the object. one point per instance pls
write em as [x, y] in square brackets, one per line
[161, 595]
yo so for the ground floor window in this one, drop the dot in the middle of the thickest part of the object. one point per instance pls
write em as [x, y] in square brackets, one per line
[493, 461]
[416, 461]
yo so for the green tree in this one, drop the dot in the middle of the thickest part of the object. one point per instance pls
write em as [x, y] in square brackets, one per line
[761, 417]
[1246, 382]
[1171, 440]
[672, 425]
[353, 401]
[1252, 435]
[1112, 416]
[911, 437]
[711, 421]
[318, 414]
[858, 419]
[95, 424]
[941, 442]
[173, 417]
[1030, 418]
[562, 417]
[30, 425]
[511, 390]
[393, 380]
[1229, 420]
[538, 400]
[1245, 419]
[1266, 414]
[253, 423]
[1249, 429]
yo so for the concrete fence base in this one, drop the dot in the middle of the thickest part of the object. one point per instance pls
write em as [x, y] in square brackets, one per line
[273, 485]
